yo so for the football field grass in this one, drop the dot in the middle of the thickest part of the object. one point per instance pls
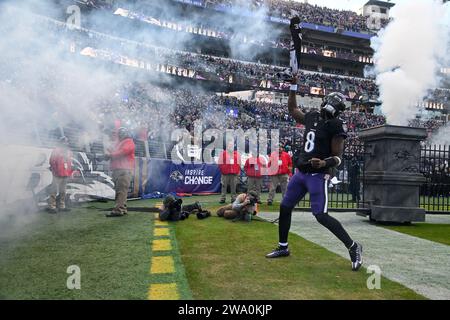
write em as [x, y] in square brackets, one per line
[429, 231]
[114, 256]
[135, 257]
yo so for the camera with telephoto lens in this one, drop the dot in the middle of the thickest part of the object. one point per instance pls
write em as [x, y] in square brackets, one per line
[252, 198]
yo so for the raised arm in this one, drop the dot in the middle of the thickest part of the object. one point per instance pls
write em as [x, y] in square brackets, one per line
[294, 110]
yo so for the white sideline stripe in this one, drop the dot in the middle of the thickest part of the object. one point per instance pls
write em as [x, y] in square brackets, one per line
[418, 264]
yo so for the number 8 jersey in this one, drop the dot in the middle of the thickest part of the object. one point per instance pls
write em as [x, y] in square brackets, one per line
[317, 140]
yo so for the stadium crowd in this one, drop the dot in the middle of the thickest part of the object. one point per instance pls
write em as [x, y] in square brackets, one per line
[101, 46]
[209, 30]
[339, 19]
[213, 68]
[158, 111]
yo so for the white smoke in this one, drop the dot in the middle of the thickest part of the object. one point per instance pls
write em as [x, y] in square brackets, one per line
[250, 32]
[408, 53]
[441, 137]
[45, 86]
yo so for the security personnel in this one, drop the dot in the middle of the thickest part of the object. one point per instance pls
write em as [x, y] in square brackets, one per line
[122, 164]
[61, 168]
[254, 168]
[230, 168]
[279, 169]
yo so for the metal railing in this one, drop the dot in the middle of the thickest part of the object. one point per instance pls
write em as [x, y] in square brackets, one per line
[435, 167]
[346, 188]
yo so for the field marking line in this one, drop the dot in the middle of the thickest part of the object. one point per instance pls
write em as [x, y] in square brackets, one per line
[161, 245]
[163, 291]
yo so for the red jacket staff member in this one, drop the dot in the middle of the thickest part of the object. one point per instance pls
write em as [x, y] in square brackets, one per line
[280, 168]
[122, 166]
[230, 167]
[61, 168]
[254, 168]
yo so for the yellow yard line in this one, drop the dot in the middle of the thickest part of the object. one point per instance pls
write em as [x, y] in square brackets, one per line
[163, 291]
[161, 223]
[161, 245]
[158, 232]
[163, 264]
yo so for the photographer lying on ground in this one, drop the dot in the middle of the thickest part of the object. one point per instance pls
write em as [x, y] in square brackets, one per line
[173, 210]
[242, 208]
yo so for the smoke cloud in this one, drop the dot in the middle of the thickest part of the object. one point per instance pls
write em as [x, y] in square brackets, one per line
[43, 88]
[441, 137]
[408, 54]
[46, 86]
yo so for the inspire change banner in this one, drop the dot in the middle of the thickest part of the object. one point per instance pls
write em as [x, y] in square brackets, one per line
[165, 176]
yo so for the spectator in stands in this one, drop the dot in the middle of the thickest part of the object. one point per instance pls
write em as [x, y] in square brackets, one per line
[254, 168]
[122, 164]
[61, 168]
[279, 170]
[230, 168]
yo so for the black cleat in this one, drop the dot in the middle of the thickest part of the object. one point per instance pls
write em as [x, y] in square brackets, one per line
[269, 203]
[52, 211]
[222, 201]
[279, 252]
[356, 256]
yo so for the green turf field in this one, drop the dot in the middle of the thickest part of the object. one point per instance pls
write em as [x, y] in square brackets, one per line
[114, 256]
[211, 259]
[433, 232]
[225, 260]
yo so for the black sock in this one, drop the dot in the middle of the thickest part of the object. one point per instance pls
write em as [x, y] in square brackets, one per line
[335, 227]
[284, 223]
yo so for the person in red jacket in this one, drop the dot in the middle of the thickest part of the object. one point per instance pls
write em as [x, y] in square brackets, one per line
[122, 165]
[230, 168]
[254, 168]
[280, 169]
[61, 168]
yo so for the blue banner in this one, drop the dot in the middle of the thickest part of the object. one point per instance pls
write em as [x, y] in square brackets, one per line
[166, 177]
[318, 27]
[198, 3]
[357, 34]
